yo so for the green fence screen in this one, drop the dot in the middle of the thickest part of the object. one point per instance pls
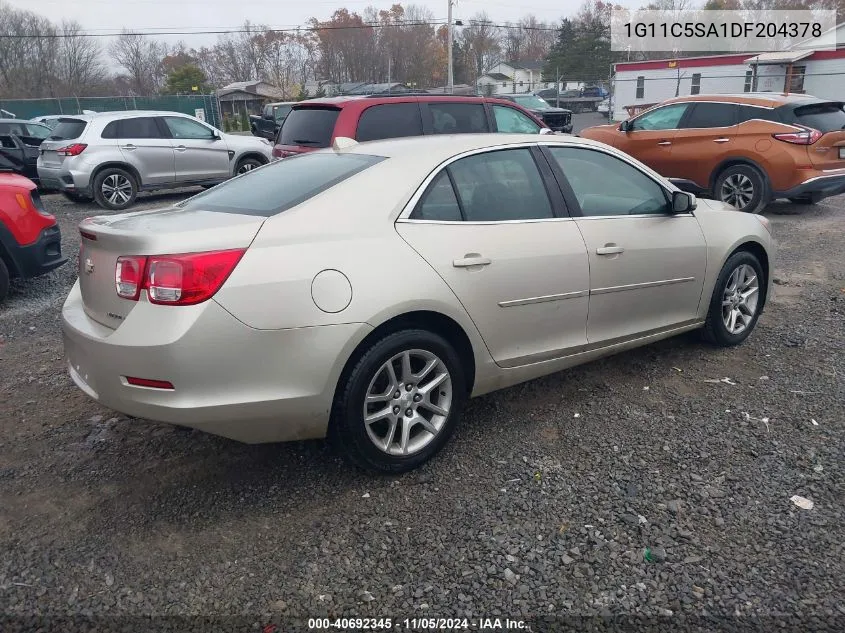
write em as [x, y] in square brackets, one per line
[187, 104]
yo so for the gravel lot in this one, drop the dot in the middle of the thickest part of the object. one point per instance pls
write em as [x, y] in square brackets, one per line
[542, 504]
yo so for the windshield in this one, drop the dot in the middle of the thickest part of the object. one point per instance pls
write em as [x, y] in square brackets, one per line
[533, 102]
[281, 185]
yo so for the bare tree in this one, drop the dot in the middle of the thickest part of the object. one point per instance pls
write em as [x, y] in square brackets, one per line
[27, 55]
[79, 66]
[141, 58]
[481, 40]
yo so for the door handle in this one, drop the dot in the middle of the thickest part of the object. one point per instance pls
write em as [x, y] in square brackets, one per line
[180, 148]
[610, 249]
[721, 140]
[128, 146]
[665, 143]
[471, 259]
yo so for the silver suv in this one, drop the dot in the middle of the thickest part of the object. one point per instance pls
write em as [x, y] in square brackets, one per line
[112, 156]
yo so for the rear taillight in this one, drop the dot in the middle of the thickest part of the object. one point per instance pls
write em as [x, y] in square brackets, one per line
[277, 152]
[807, 136]
[71, 150]
[182, 280]
[129, 276]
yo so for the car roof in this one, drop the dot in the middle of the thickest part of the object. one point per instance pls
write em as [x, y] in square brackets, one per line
[345, 100]
[436, 148]
[769, 99]
[122, 114]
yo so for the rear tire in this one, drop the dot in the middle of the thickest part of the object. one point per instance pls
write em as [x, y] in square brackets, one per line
[741, 290]
[388, 443]
[743, 187]
[4, 280]
[115, 189]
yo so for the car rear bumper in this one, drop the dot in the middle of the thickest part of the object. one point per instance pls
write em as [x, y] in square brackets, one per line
[36, 258]
[229, 379]
[818, 187]
[64, 180]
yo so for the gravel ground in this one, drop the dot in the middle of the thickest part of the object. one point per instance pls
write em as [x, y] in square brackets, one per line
[542, 504]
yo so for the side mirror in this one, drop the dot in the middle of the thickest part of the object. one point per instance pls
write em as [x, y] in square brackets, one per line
[545, 130]
[683, 202]
[626, 126]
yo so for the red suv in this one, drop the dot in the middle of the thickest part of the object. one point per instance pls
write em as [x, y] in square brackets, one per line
[30, 241]
[316, 123]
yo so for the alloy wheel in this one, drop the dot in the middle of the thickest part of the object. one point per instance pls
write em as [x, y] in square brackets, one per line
[246, 167]
[740, 299]
[737, 190]
[408, 402]
[117, 189]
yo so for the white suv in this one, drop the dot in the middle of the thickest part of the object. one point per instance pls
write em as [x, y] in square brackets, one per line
[112, 156]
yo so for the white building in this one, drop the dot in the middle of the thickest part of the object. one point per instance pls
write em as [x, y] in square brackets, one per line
[508, 77]
[803, 69]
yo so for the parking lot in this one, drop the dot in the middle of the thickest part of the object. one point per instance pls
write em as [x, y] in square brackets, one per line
[543, 503]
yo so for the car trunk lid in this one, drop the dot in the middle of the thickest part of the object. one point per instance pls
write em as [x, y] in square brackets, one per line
[158, 232]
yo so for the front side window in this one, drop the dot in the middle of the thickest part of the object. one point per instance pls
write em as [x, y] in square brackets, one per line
[511, 120]
[181, 128]
[391, 120]
[608, 186]
[35, 130]
[141, 127]
[499, 186]
[665, 118]
[458, 118]
[707, 115]
[281, 185]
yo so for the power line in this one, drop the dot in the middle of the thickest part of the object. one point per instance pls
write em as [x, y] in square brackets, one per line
[257, 31]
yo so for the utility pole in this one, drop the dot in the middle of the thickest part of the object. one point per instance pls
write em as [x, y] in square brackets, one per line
[450, 81]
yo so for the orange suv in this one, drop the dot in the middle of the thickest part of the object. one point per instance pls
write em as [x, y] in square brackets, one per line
[742, 149]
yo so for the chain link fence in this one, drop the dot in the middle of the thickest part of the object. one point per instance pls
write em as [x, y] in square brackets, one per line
[202, 106]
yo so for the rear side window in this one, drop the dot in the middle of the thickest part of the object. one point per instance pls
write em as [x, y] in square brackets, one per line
[706, 115]
[746, 113]
[458, 118]
[141, 127]
[825, 117]
[391, 120]
[110, 131]
[281, 185]
[439, 202]
[312, 127]
[68, 129]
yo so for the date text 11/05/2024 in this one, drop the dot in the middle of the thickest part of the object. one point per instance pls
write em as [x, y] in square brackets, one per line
[413, 624]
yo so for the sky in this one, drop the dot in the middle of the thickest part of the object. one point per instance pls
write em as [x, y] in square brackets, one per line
[114, 15]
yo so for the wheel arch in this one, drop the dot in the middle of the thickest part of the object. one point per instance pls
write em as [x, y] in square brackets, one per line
[251, 154]
[116, 165]
[736, 160]
[429, 320]
[759, 251]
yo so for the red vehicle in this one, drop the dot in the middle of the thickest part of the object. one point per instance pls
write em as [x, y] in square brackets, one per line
[315, 123]
[30, 240]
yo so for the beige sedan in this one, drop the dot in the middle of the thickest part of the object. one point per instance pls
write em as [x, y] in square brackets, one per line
[365, 291]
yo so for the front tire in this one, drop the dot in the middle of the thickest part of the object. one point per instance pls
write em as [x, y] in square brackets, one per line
[246, 165]
[737, 301]
[743, 187]
[400, 402]
[115, 189]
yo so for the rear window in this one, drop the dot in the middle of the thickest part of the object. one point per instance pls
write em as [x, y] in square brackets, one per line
[825, 117]
[311, 127]
[281, 185]
[68, 129]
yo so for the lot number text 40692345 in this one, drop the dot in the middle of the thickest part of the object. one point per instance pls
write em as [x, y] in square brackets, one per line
[417, 624]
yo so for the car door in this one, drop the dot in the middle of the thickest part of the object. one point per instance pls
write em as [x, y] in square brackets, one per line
[498, 234]
[144, 145]
[389, 120]
[512, 121]
[201, 155]
[455, 117]
[705, 137]
[650, 136]
[647, 265]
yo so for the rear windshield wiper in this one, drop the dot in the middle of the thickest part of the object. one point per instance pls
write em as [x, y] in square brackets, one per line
[300, 141]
